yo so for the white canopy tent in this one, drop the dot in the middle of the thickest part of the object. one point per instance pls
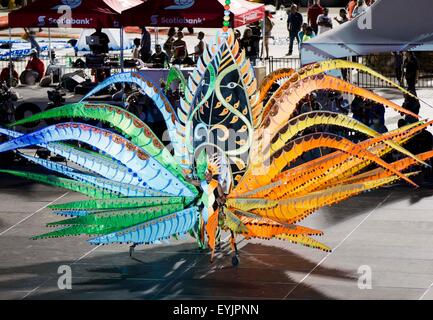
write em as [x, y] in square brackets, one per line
[113, 35]
[386, 26]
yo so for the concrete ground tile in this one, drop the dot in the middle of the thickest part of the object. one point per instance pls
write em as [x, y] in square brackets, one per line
[330, 292]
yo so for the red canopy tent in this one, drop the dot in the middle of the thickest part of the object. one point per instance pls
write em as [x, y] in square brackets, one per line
[192, 13]
[83, 13]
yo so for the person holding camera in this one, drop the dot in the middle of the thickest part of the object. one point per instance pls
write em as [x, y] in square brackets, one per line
[103, 41]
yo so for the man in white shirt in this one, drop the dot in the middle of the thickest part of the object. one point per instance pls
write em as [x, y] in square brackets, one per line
[324, 21]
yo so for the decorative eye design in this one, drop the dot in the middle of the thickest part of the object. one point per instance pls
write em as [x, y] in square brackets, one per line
[232, 85]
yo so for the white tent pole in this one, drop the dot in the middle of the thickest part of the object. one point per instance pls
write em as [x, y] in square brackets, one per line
[10, 57]
[49, 45]
[155, 31]
[121, 51]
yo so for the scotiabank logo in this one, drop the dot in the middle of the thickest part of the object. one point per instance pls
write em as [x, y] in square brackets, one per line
[154, 20]
[181, 4]
[41, 21]
[177, 20]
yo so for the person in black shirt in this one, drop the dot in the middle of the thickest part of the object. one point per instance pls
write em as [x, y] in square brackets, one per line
[248, 43]
[159, 59]
[422, 142]
[294, 25]
[411, 70]
[412, 104]
[398, 66]
[102, 46]
[256, 35]
[145, 50]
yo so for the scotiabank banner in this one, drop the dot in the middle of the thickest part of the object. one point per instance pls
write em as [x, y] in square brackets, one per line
[165, 20]
[71, 21]
[67, 14]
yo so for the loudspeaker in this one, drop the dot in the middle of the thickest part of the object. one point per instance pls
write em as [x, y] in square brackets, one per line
[71, 80]
[95, 60]
[85, 88]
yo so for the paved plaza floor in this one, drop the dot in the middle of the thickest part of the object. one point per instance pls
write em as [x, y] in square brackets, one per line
[388, 232]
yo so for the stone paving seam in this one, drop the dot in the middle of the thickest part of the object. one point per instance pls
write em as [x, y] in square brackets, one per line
[335, 249]
[31, 215]
[425, 293]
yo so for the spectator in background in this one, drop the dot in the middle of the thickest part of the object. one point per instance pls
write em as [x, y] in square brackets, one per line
[294, 25]
[350, 7]
[256, 35]
[200, 47]
[398, 66]
[5, 75]
[412, 104]
[103, 41]
[309, 34]
[238, 36]
[248, 44]
[146, 42]
[302, 33]
[269, 25]
[136, 51]
[159, 59]
[324, 21]
[342, 17]
[313, 13]
[378, 126]
[378, 111]
[357, 108]
[411, 70]
[36, 65]
[180, 50]
[168, 44]
[359, 9]
[422, 142]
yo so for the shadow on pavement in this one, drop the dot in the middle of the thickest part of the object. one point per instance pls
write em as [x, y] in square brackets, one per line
[176, 272]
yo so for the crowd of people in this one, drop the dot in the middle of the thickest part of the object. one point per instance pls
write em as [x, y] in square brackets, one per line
[173, 51]
[319, 20]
